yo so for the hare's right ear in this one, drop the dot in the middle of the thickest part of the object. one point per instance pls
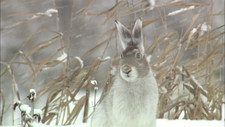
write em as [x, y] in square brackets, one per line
[124, 34]
[137, 35]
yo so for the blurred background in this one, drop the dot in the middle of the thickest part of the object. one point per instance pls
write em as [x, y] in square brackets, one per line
[185, 39]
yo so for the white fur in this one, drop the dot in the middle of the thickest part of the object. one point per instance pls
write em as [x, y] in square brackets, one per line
[128, 104]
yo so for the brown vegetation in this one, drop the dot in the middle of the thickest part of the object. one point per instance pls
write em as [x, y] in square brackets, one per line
[188, 65]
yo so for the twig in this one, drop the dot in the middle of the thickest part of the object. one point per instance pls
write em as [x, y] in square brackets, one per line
[86, 107]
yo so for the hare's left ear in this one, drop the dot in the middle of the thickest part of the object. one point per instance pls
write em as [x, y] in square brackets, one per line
[137, 35]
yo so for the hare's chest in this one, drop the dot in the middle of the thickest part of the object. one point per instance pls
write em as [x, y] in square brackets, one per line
[130, 101]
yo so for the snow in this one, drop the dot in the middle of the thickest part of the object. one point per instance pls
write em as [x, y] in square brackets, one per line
[44, 68]
[83, 125]
[81, 61]
[95, 88]
[223, 109]
[61, 33]
[175, 1]
[180, 10]
[182, 115]
[21, 52]
[34, 16]
[94, 83]
[152, 2]
[193, 30]
[34, 124]
[189, 123]
[25, 108]
[104, 59]
[49, 12]
[204, 28]
[107, 58]
[166, 38]
[62, 57]
[32, 95]
[38, 111]
[9, 69]
[149, 58]
[32, 91]
[160, 123]
[18, 102]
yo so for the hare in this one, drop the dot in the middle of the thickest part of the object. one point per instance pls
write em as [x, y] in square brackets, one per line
[132, 99]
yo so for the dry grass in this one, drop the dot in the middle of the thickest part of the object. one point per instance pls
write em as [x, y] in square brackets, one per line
[188, 69]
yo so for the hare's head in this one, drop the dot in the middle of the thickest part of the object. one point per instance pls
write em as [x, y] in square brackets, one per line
[133, 62]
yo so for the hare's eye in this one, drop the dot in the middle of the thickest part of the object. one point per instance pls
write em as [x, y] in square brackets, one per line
[138, 55]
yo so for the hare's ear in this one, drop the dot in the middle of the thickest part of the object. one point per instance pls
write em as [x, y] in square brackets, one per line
[124, 34]
[137, 35]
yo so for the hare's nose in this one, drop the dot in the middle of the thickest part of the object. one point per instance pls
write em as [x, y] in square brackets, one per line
[126, 69]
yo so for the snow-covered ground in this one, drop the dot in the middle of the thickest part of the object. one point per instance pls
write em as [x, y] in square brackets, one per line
[160, 123]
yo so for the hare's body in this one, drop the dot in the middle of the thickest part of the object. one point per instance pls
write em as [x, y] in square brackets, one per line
[128, 104]
[132, 99]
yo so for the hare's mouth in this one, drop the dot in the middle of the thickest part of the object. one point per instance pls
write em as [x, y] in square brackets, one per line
[127, 73]
[129, 76]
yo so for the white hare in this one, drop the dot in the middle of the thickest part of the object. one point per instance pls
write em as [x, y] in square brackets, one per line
[132, 98]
